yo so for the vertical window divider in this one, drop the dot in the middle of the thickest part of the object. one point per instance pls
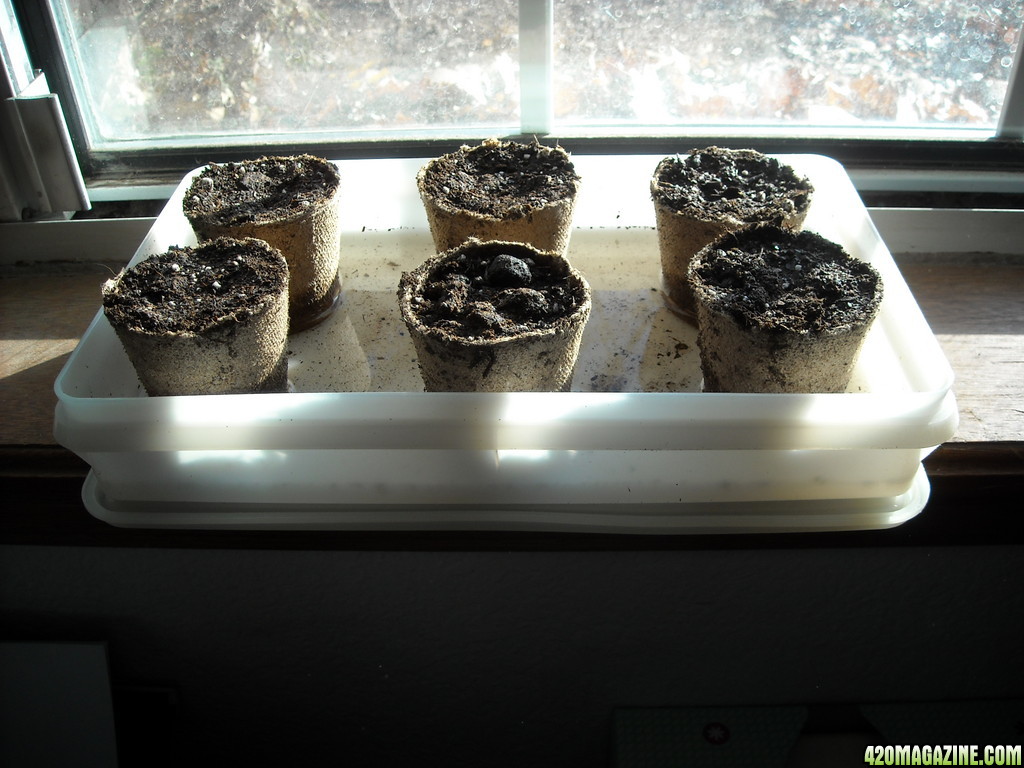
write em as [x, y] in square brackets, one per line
[536, 47]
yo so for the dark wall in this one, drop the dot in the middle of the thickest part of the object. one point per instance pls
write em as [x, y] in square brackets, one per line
[420, 658]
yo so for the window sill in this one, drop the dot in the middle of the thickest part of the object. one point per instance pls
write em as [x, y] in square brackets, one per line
[975, 308]
[971, 298]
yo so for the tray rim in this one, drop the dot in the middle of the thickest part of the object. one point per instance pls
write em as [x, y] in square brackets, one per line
[702, 518]
[505, 421]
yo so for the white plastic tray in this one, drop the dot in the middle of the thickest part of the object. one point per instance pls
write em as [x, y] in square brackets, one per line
[635, 446]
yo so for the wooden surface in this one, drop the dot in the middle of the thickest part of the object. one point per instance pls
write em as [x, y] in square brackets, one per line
[43, 313]
[977, 313]
[976, 310]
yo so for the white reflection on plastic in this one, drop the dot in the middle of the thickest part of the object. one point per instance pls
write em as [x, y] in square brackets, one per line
[520, 454]
[541, 416]
[226, 458]
[544, 408]
[238, 413]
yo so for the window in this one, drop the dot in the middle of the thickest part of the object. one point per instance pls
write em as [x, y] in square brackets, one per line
[159, 71]
[150, 81]
[805, 65]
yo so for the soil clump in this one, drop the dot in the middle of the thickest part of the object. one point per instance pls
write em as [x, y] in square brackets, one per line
[742, 184]
[188, 290]
[502, 179]
[486, 295]
[774, 280]
[261, 190]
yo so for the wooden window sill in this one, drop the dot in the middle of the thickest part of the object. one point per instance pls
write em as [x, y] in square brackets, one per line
[975, 309]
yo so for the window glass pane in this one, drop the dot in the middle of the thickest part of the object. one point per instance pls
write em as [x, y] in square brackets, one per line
[852, 64]
[185, 68]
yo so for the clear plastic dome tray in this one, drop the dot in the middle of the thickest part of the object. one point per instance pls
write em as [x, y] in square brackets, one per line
[635, 446]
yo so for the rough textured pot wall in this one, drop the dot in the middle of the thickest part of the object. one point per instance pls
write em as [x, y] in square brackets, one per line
[419, 658]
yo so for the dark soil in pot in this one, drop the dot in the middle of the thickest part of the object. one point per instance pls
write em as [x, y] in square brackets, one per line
[205, 320]
[713, 191]
[495, 316]
[500, 191]
[780, 311]
[291, 202]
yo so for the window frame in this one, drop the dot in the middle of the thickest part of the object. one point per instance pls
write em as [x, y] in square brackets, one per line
[989, 164]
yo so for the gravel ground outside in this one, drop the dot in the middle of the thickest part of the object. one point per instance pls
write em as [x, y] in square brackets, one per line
[198, 66]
